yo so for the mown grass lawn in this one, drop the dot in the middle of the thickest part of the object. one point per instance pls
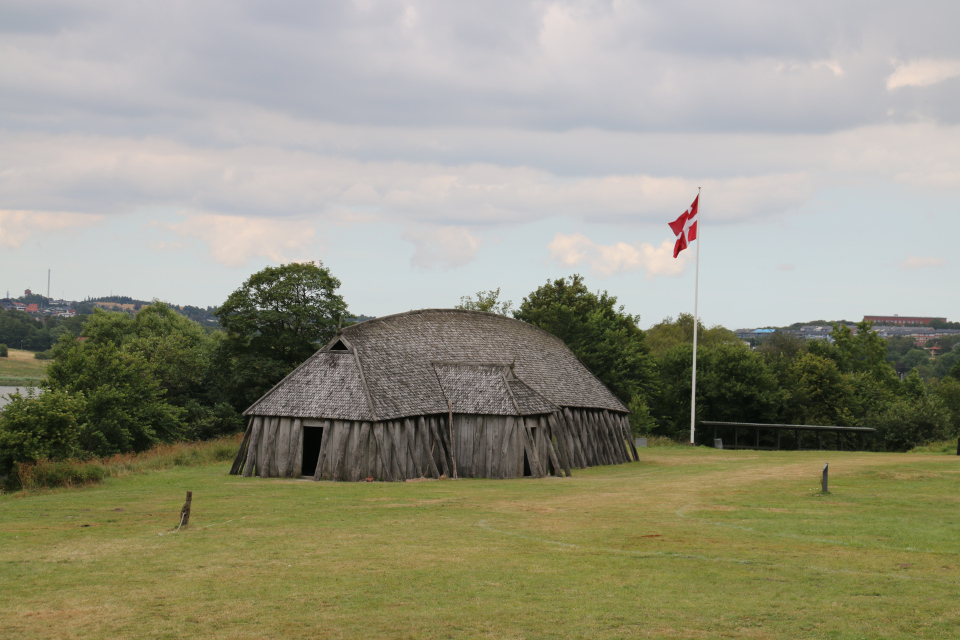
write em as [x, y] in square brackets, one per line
[686, 543]
[20, 367]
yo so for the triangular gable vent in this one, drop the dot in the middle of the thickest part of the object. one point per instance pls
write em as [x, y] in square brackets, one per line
[339, 346]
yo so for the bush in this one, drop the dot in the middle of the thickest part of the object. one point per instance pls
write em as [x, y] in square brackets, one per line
[910, 422]
[43, 355]
[4, 351]
[43, 427]
[78, 473]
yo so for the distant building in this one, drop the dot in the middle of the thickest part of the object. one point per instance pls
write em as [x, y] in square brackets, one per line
[33, 308]
[901, 321]
[27, 292]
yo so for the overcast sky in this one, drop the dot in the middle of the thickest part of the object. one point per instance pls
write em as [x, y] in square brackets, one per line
[427, 150]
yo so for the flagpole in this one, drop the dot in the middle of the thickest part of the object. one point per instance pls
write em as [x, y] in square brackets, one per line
[696, 325]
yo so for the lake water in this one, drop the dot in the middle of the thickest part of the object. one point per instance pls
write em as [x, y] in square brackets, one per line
[6, 391]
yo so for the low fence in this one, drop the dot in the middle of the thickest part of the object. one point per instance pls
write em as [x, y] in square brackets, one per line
[833, 437]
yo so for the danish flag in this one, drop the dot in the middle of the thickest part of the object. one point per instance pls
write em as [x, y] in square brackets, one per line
[685, 227]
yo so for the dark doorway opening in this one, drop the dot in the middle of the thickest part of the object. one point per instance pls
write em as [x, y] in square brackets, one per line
[526, 464]
[312, 441]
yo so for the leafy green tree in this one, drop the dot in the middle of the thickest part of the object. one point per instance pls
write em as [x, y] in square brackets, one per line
[734, 384]
[4, 353]
[605, 338]
[47, 426]
[125, 409]
[275, 321]
[486, 301]
[819, 393]
[284, 313]
[947, 392]
[670, 333]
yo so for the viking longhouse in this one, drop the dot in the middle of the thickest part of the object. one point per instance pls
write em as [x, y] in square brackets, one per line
[436, 392]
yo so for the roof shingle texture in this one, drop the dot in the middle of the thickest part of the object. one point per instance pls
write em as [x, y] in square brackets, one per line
[412, 362]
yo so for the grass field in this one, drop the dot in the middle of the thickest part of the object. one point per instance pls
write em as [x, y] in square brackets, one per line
[20, 368]
[687, 543]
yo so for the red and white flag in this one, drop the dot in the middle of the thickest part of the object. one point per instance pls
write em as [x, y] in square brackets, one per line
[685, 228]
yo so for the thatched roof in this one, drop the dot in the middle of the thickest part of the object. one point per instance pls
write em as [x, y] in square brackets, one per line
[414, 363]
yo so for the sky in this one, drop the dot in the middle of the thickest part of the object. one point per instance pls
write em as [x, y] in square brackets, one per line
[424, 151]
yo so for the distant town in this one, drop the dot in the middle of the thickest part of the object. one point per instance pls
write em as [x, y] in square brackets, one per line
[923, 330]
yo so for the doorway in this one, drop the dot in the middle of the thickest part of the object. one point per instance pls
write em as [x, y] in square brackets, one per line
[312, 441]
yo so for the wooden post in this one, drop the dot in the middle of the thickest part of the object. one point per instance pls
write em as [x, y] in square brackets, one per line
[823, 478]
[324, 447]
[439, 440]
[453, 440]
[185, 511]
[819, 442]
[344, 433]
[253, 447]
[242, 451]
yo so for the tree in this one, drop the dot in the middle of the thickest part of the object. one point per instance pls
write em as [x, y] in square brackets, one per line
[734, 384]
[47, 426]
[605, 338]
[486, 301]
[124, 406]
[818, 393]
[276, 320]
[670, 333]
[948, 393]
[284, 313]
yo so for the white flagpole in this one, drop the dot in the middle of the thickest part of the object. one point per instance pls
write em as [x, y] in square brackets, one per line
[696, 325]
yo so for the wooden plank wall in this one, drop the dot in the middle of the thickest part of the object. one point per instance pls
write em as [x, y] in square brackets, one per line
[485, 446]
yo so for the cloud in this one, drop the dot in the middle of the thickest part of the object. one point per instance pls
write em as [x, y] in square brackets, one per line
[917, 262]
[233, 240]
[923, 73]
[785, 266]
[604, 260]
[121, 175]
[16, 227]
[443, 247]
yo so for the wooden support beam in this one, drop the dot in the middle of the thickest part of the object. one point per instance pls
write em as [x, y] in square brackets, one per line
[324, 448]
[242, 451]
[295, 461]
[505, 446]
[423, 430]
[399, 466]
[360, 453]
[254, 444]
[268, 468]
[382, 450]
[410, 433]
[435, 431]
[344, 434]
[563, 452]
[558, 468]
[453, 440]
[530, 446]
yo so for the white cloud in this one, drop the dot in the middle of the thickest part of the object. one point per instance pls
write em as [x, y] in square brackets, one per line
[918, 262]
[444, 247]
[785, 266]
[16, 227]
[604, 260]
[923, 73]
[233, 240]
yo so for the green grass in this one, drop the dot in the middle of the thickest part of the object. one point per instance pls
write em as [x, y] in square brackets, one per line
[21, 368]
[687, 543]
